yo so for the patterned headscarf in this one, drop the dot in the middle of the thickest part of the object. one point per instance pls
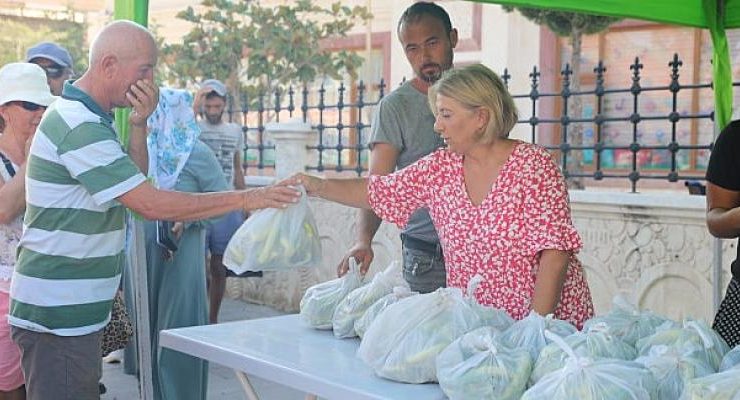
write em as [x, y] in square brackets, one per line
[173, 132]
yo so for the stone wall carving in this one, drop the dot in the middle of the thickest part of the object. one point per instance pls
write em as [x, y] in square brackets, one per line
[654, 249]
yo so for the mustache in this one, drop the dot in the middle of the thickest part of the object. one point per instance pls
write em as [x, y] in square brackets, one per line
[434, 65]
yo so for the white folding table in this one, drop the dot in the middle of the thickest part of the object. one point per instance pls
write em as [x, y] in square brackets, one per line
[284, 350]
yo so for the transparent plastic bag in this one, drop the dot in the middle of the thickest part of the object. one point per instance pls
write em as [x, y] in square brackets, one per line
[363, 323]
[731, 360]
[594, 344]
[720, 386]
[319, 302]
[529, 333]
[673, 368]
[478, 365]
[628, 322]
[584, 378]
[694, 333]
[357, 302]
[275, 239]
[405, 339]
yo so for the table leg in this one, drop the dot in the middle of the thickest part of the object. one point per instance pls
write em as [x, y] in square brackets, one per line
[247, 386]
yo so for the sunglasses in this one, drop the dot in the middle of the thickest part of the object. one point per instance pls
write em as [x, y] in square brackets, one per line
[54, 72]
[28, 106]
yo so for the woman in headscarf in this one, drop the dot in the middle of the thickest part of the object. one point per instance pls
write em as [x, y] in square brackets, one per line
[24, 95]
[176, 278]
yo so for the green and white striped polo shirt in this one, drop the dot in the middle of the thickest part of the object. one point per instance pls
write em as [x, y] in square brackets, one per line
[71, 251]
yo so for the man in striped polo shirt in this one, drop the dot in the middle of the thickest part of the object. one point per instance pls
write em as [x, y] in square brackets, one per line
[78, 181]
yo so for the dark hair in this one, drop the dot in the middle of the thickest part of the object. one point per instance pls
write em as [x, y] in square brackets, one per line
[2, 125]
[422, 8]
[213, 94]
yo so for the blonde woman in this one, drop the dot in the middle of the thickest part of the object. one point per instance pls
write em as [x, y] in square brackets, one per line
[500, 206]
[23, 99]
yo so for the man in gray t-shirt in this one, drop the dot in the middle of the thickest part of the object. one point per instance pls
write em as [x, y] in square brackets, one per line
[403, 132]
[227, 142]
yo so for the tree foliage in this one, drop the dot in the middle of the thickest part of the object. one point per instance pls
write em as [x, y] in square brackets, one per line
[18, 34]
[259, 49]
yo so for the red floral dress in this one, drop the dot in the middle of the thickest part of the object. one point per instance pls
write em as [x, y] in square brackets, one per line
[527, 211]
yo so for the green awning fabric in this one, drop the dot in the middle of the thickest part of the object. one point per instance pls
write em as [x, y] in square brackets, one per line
[714, 15]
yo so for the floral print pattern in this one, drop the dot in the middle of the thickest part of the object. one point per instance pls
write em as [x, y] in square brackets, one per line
[526, 211]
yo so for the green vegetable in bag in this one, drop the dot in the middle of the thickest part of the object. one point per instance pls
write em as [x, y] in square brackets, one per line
[478, 365]
[275, 239]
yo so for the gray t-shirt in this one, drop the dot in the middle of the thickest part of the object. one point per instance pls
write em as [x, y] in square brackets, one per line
[405, 121]
[224, 139]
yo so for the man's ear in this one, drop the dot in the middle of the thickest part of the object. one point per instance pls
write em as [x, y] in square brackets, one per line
[453, 37]
[109, 65]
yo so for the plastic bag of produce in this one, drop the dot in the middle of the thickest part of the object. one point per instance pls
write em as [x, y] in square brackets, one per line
[673, 368]
[405, 339]
[363, 323]
[694, 333]
[594, 344]
[720, 386]
[628, 323]
[357, 301]
[319, 302]
[477, 365]
[275, 239]
[731, 360]
[584, 378]
[529, 333]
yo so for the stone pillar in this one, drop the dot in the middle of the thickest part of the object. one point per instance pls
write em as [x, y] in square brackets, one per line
[291, 140]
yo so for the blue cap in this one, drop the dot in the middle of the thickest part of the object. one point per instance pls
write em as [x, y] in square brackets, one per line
[50, 51]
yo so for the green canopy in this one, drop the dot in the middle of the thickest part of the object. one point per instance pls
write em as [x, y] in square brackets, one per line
[715, 15]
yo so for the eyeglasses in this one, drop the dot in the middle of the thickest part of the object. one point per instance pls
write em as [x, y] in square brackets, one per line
[28, 106]
[54, 72]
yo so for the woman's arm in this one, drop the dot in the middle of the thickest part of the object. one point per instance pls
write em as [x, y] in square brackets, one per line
[350, 192]
[13, 196]
[723, 211]
[548, 284]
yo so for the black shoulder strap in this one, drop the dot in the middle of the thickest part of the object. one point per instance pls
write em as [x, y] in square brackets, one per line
[8, 164]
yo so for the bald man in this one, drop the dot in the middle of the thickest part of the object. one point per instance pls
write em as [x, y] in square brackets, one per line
[78, 180]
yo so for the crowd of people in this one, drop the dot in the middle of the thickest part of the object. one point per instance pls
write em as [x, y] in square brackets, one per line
[469, 199]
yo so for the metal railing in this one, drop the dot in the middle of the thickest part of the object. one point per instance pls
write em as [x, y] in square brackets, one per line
[634, 132]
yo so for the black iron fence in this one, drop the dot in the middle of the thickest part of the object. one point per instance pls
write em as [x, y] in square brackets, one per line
[626, 132]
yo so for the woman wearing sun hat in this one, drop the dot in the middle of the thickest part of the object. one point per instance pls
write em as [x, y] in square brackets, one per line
[24, 95]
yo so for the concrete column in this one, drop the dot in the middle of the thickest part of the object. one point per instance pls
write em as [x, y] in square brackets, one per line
[291, 139]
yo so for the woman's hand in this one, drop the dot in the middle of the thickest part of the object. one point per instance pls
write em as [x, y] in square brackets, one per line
[312, 184]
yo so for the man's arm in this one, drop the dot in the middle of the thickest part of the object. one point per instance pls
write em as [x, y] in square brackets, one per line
[238, 171]
[153, 203]
[383, 158]
[144, 96]
[723, 211]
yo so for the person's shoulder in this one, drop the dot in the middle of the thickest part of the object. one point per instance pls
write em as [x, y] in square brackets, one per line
[730, 135]
[72, 113]
[401, 94]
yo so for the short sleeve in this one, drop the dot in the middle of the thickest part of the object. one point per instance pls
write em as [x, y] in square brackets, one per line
[92, 155]
[548, 208]
[387, 125]
[724, 162]
[206, 169]
[396, 196]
